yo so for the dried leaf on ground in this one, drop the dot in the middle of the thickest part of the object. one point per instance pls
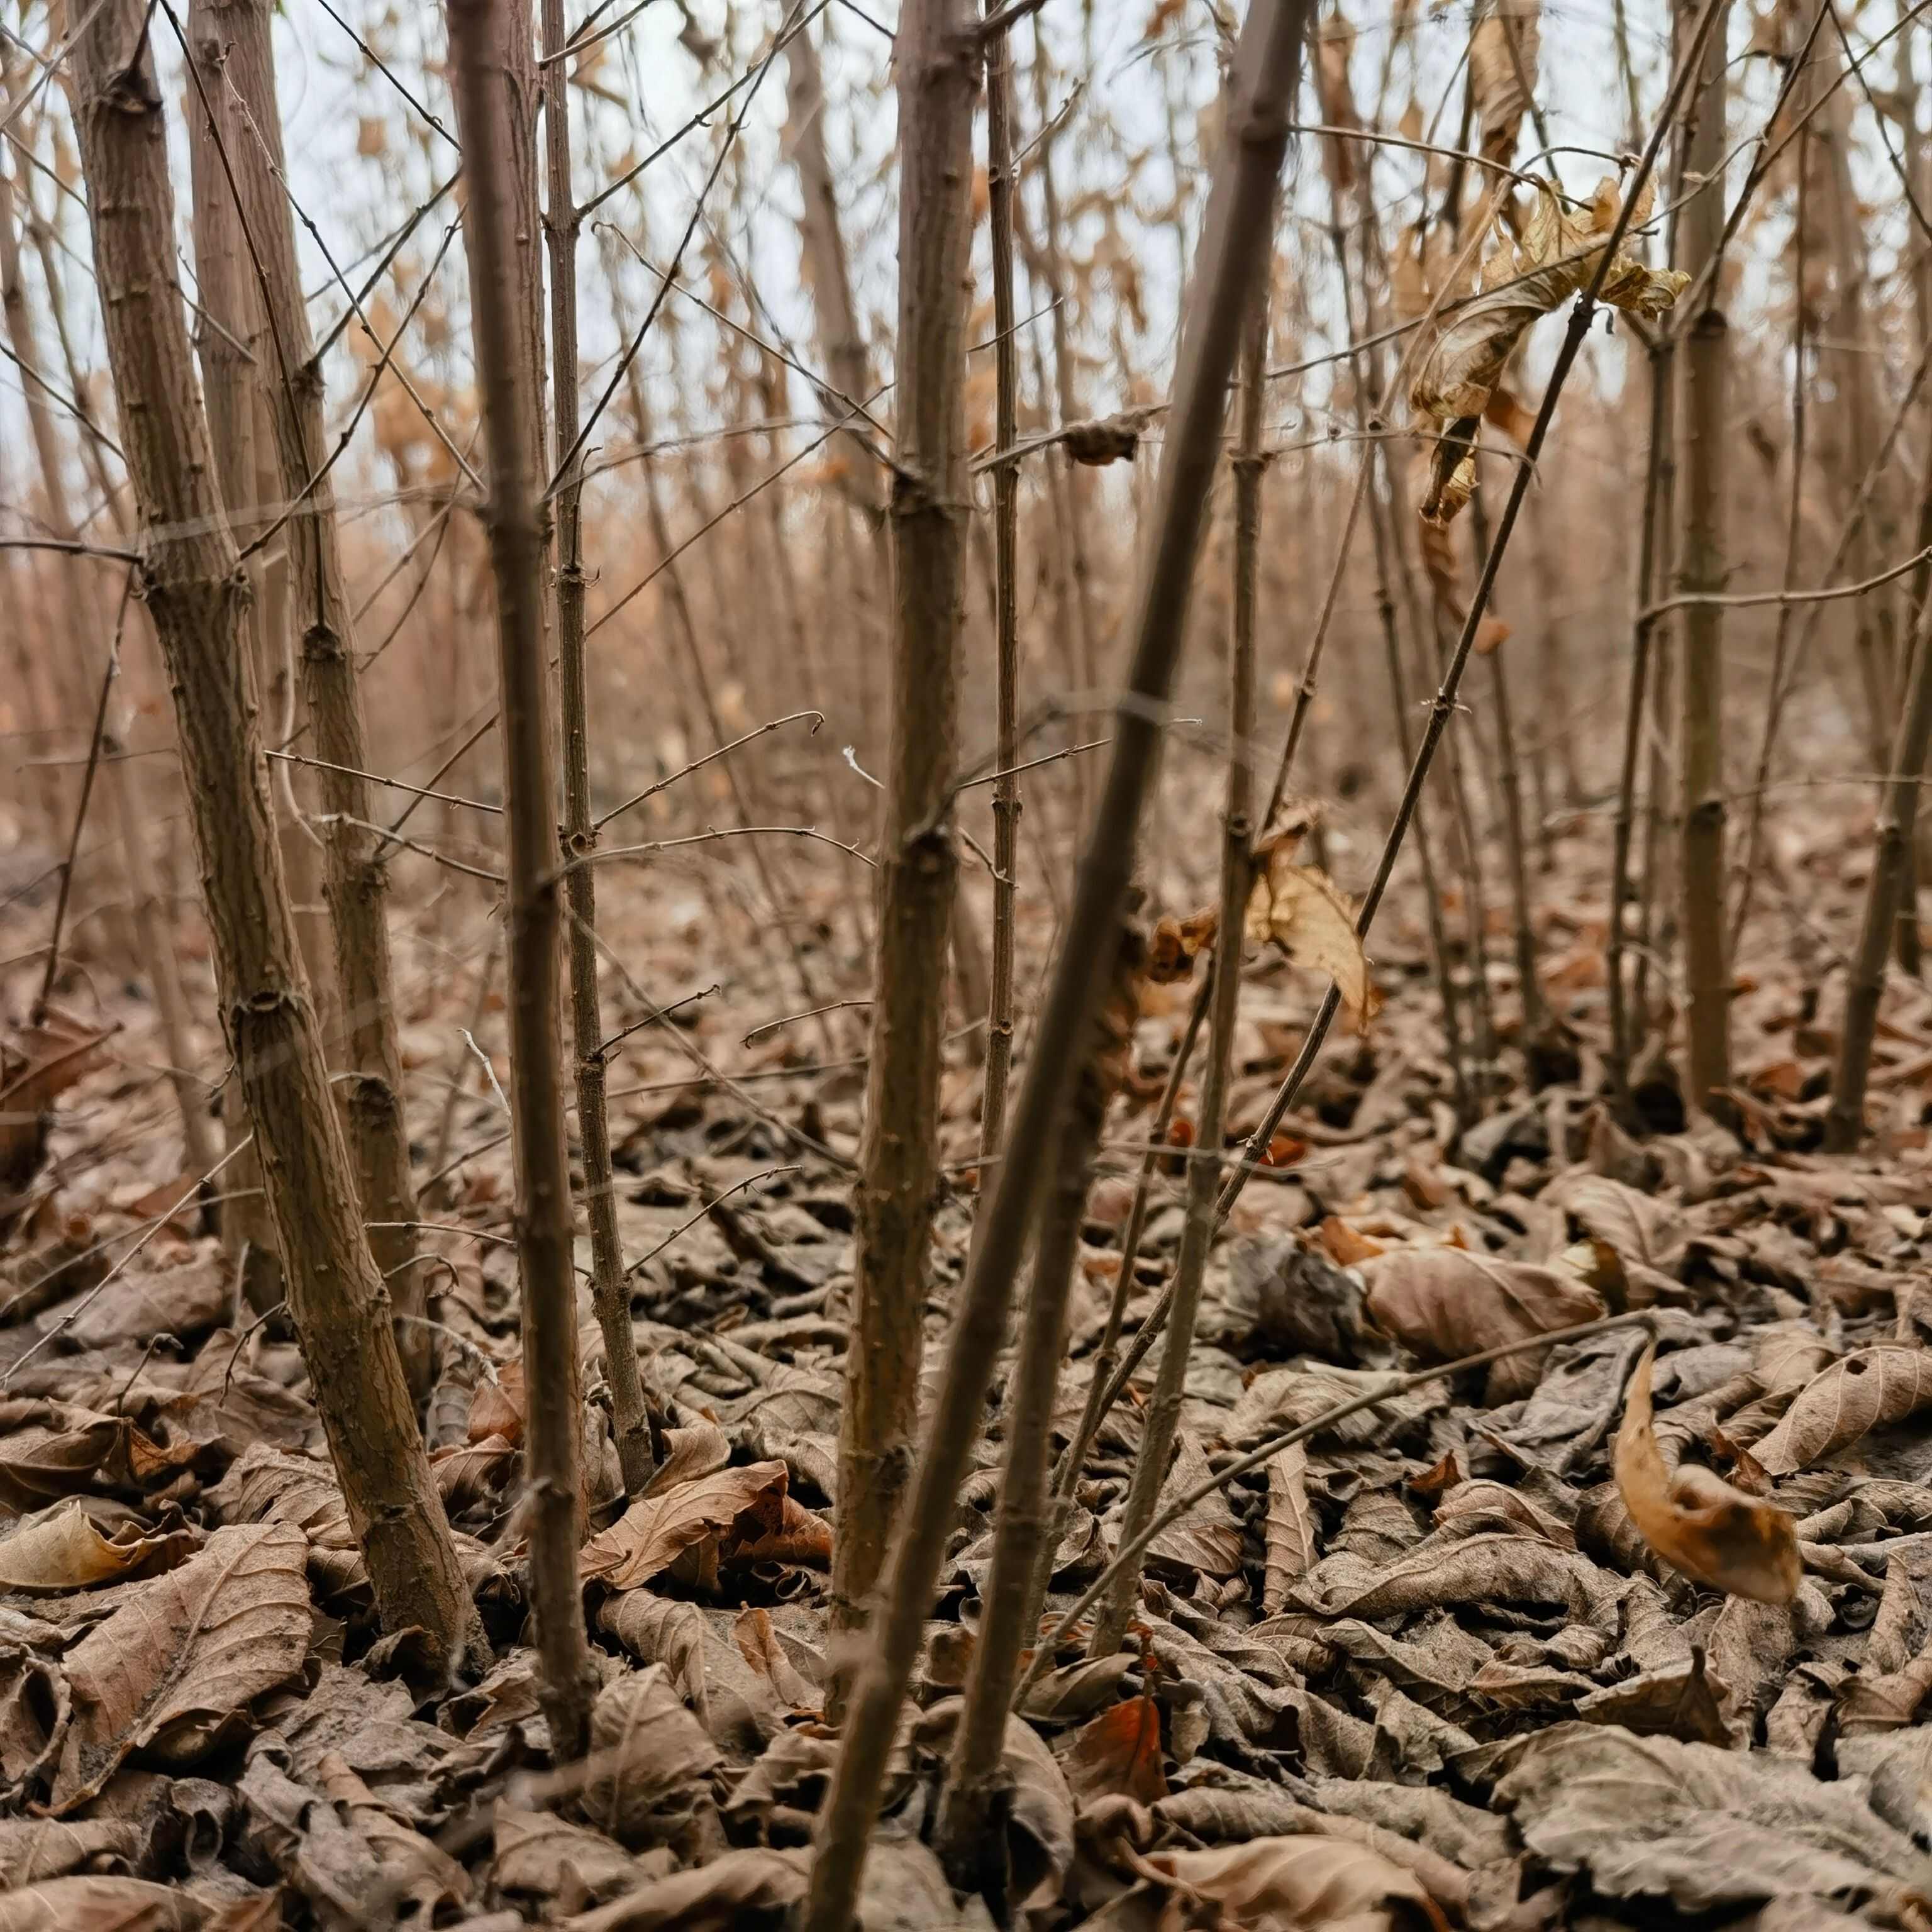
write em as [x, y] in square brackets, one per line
[63, 1548]
[1867, 1390]
[1289, 1530]
[1299, 1885]
[656, 1531]
[101, 1905]
[1704, 1827]
[654, 1761]
[172, 1671]
[1442, 1303]
[1117, 1754]
[1695, 1520]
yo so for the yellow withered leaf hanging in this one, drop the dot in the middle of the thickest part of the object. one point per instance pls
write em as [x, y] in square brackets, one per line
[1555, 260]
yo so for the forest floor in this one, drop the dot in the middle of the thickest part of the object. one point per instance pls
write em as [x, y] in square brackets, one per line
[1422, 1671]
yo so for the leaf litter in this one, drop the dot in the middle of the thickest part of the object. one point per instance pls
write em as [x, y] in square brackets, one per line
[1629, 1630]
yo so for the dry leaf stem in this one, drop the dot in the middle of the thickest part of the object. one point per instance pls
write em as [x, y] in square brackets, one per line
[493, 74]
[1235, 246]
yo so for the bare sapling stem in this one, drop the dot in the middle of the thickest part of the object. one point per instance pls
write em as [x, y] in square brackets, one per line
[966, 1839]
[609, 1289]
[938, 59]
[1892, 835]
[1005, 594]
[491, 53]
[1163, 1418]
[1705, 439]
[1625, 1028]
[1234, 249]
[1534, 1014]
[355, 878]
[195, 589]
[1443, 707]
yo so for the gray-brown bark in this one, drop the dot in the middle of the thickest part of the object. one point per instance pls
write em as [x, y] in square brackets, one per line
[1700, 568]
[489, 43]
[609, 1289]
[355, 879]
[196, 591]
[938, 63]
[1234, 246]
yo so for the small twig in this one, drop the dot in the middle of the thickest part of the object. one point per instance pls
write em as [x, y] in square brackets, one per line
[496, 1085]
[663, 1013]
[80, 812]
[722, 832]
[684, 1227]
[1747, 599]
[261, 1321]
[812, 1013]
[684, 771]
[394, 785]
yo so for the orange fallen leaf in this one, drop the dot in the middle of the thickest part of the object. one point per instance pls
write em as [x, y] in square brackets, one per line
[1695, 1520]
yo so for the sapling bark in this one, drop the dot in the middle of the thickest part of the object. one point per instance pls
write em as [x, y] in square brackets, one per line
[355, 879]
[1234, 247]
[938, 63]
[195, 591]
[609, 1288]
[490, 44]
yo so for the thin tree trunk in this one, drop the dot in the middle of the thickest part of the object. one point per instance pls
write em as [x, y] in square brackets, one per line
[938, 80]
[1198, 1227]
[1700, 568]
[609, 1288]
[149, 927]
[340, 1304]
[231, 322]
[1892, 837]
[355, 877]
[965, 1836]
[1000, 187]
[1234, 249]
[490, 45]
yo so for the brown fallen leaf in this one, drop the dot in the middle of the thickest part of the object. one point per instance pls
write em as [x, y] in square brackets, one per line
[1867, 1390]
[63, 1548]
[101, 1905]
[1301, 1884]
[1695, 1520]
[34, 1849]
[1289, 1531]
[760, 1645]
[656, 1531]
[1442, 1303]
[560, 1867]
[1117, 1754]
[171, 1673]
[654, 1763]
[659, 1629]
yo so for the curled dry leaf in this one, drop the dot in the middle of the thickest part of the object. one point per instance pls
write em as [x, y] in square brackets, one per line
[653, 1762]
[656, 1531]
[101, 1905]
[1695, 1520]
[1869, 1389]
[64, 1549]
[1442, 1303]
[1311, 1884]
[1555, 258]
[171, 1672]
[1309, 917]
[1334, 47]
[1503, 47]
[661, 1630]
